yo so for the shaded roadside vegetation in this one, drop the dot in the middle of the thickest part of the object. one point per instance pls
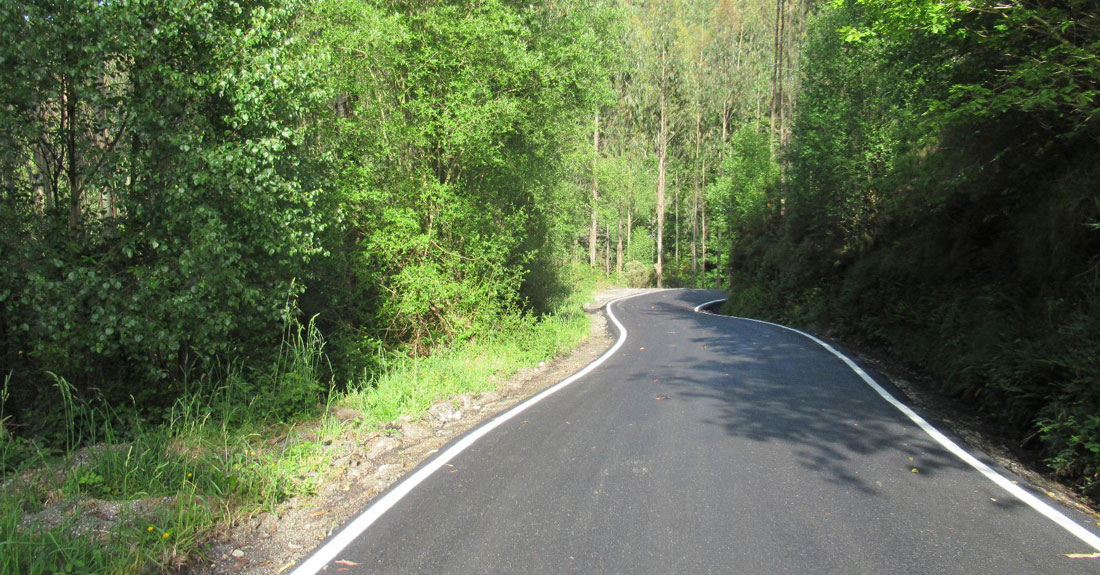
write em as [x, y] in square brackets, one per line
[938, 200]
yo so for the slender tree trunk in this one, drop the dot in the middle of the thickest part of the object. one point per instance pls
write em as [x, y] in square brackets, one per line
[725, 126]
[694, 236]
[777, 64]
[782, 66]
[630, 218]
[43, 192]
[607, 251]
[73, 173]
[619, 240]
[593, 232]
[718, 276]
[703, 217]
[676, 220]
[695, 195]
[662, 152]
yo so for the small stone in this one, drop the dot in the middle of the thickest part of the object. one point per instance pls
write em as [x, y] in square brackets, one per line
[237, 554]
[542, 364]
[381, 446]
[414, 432]
[387, 471]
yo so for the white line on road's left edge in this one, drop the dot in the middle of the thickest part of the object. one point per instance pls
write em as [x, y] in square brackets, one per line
[1034, 502]
[327, 552]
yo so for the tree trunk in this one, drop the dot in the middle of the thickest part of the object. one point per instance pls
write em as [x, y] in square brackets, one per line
[630, 218]
[73, 173]
[593, 232]
[619, 238]
[676, 220]
[607, 251]
[777, 64]
[703, 218]
[43, 187]
[695, 196]
[718, 276]
[662, 152]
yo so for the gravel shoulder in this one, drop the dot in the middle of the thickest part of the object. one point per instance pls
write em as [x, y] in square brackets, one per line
[362, 468]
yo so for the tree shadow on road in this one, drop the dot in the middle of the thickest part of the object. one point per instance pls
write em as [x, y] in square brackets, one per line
[774, 385]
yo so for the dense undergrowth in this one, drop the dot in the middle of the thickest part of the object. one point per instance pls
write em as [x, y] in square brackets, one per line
[939, 203]
[222, 454]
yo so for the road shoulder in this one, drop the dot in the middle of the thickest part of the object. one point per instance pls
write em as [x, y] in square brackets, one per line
[364, 468]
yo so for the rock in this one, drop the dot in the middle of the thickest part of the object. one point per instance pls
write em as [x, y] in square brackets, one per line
[381, 446]
[346, 414]
[388, 472]
[237, 554]
[414, 432]
[444, 412]
[542, 364]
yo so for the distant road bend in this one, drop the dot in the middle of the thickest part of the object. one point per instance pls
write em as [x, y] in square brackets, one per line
[709, 444]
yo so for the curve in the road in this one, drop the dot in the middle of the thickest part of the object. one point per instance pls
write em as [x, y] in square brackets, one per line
[326, 553]
[1030, 500]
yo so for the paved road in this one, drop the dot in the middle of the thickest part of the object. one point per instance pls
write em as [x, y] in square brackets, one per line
[712, 445]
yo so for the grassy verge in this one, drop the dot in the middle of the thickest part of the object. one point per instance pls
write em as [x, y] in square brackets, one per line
[149, 503]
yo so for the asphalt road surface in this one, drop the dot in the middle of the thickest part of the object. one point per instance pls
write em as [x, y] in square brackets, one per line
[709, 444]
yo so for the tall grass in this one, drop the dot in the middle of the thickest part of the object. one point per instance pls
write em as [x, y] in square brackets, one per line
[410, 386]
[227, 449]
[205, 464]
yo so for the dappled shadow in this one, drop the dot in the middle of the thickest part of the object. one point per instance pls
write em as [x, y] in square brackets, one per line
[775, 386]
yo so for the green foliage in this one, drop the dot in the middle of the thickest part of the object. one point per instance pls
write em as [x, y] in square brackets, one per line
[938, 204]
[182, 183]
[412, 385]
[162, 189]
[747, 183]
[450, 135]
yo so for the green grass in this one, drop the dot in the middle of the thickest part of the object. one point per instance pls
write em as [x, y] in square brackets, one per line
[227, 452]
[413, 385]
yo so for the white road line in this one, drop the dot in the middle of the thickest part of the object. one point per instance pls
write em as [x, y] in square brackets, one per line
[328, 552]
[1034, 502]
[699, 308]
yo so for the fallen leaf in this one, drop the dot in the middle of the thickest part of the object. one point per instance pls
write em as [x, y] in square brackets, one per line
[1083, 555]
[346, 563]
[915, 470]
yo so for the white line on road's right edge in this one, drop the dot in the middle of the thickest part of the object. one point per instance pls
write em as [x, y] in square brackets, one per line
[1034, 502]
[328, 552]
